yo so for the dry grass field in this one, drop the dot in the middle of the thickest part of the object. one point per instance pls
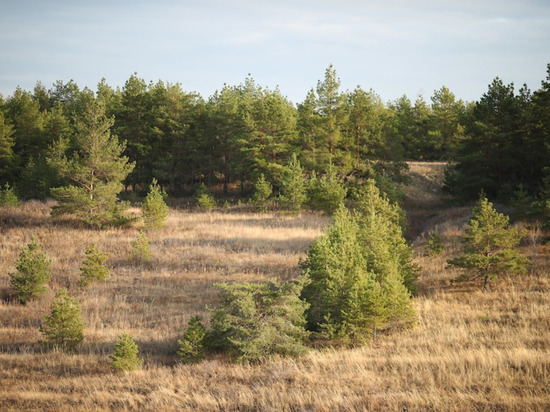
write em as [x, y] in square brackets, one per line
[471, 351]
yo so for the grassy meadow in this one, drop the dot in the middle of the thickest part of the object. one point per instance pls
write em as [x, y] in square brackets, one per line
[471, 351]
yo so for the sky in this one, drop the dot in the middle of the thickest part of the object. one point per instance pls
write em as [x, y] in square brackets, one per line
[393, 47]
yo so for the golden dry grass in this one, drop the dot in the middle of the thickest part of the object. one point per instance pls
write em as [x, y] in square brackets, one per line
[470, 351]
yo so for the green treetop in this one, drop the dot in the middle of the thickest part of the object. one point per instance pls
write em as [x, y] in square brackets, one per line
[358, 271]
[256, 321]
[94, 267]
[262, 191]
[490, 245]
[33, 273]
[381, 234]
[125, 355]
[155, 210]
[95, 170]
[63, 327]
[293, 188]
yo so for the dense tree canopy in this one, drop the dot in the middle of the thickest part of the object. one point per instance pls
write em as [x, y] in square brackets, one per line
[241, 132]
[505, 145]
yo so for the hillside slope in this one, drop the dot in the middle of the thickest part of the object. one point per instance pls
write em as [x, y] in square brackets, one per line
[470, 351]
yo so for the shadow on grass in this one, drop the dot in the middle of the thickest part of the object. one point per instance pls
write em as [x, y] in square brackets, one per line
[21, 219]
[280, 221]
[242, 244]
[162, 353]
[448, 286]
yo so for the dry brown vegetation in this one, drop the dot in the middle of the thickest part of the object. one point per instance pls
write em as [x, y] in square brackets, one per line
[470, 351]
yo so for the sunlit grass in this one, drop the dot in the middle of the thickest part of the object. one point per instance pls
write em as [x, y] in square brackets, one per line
[470, 350]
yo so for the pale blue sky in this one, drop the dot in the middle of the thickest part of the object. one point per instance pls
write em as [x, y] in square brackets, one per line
[394, 47]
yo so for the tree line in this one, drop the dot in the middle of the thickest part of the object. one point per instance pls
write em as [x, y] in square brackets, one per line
[228, 141]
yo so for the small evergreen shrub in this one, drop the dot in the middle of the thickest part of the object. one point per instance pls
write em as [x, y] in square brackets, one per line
[94, 268]
[154, 208]
[356, 276]
[491, 246]
[382, 223]
[141, 251]
[203, 198]
[262, 191]
[256, 321]
[191, 347]
[293, 186]
[434, 245]
[326, 193]
[33, 273]
[125, 355]
[63, 327]
[8, 196]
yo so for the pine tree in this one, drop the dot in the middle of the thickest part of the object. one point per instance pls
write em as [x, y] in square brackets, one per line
[256, 321]
[327, 192]
[344, 297]
[293, 189]
[94, 268]
[271, 122]
[203, 198]
[95, 169]
[434, 245]
[125, 355]
[8, 197]
[493, 158]
[330, 106]
[191, 346]
[64, 327]
[154, 208]
[262, 191]
[140, 252]
[381, 235]
[490, 246]
[33, 273]
[398, 310]
[356, 276]
[7, 142]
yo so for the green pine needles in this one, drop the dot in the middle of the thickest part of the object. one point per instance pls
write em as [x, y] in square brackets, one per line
[257, 321]
[95, 169]
[125, 355]
[203, 198]
[327, 192]
[434, 245]
[94, 268]
[191, 348]
[63, 327]
[262, 191]
[8, 197]
[358, 272]
[141, 251]
[154, 208]
[33, 273]
[490, 246]
[293, 186]
[381, 234]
